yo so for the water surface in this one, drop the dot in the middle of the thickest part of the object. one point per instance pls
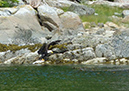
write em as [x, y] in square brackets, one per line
[64, 78]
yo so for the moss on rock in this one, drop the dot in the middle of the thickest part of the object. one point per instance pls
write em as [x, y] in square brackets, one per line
[13, 47]
[60, 46]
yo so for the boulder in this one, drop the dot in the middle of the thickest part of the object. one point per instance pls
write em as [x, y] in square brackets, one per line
[59, 50]
[105, 2]
[22, 52]
[56, 57]
[5, 13]
[81, 9]
[2, 58]
[57, 21]
[25, 9]
[71, 23]
[104, 50]
[88, 53]
[6, 55]
[41, 62]
[27, 58]
[90, 40]
[58, 11]
[125, 13]
[125, 19]
[80, 54]
[20, 2]
[59, 3]
[8, 11]
[101, 60]
[11, 60]
[120, 43]
[49, 17]
[112, 25]
[124, 61]
[15, 30]
[116, 47]
[73, 56]
[121, 1]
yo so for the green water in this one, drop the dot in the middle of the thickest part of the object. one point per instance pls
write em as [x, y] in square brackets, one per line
[64, 78]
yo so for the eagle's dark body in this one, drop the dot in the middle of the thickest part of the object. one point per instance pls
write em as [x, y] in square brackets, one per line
[43, 50]
[79, 1]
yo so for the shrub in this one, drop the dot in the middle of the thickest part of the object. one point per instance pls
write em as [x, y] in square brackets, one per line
[8, 3]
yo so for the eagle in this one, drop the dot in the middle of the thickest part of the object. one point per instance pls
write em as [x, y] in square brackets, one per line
[43, 51]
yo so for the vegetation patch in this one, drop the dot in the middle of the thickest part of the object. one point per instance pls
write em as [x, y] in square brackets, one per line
[8, 3]
[60, 46]
[65, 9]
[13, 47]
[104, 13]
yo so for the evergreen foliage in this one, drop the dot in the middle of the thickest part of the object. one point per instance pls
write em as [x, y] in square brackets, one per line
[8, 3]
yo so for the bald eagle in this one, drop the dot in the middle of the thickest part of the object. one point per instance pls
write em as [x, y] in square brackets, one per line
[43, 51]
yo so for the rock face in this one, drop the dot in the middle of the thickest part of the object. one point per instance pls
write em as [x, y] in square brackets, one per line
[59, 3]
[95, 48]
[103, 50]
[120, 43]
[27, 58]
[100, 44]
[125, 19]
[36, 25]
[5, 13]
[20, 31]
[4, 56]
[57, 21]
[81, 9]
[49, 17]
[79, 54]
[20, 2]
[118, 3]
[95, 61]
[68, 27]
[121, 1]
[125, 13]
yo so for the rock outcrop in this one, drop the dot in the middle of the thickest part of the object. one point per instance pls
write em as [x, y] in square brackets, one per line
[68, 27]
[59, 3]
[81, 9]
[15, 30]
[103, 2]
[99, 44]
[49, 17]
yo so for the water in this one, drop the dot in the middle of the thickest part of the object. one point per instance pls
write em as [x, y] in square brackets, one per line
[64, 78]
